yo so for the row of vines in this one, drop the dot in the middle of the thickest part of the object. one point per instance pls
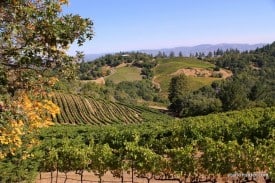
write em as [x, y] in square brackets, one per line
[195, 149]
[81, 110]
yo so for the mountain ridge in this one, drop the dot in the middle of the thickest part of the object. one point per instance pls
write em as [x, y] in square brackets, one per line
[187, 50]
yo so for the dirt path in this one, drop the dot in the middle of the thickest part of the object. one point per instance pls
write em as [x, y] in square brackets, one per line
[155, 83]
[158, 107]
[100, 80]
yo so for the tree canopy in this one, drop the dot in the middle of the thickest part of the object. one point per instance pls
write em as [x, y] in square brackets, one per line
[34, 37]
[178, 88]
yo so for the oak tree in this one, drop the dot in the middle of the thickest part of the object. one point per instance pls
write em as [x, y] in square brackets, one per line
[34, 37]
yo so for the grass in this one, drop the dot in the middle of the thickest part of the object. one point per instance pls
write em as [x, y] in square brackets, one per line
[125, 74]
[168, 66]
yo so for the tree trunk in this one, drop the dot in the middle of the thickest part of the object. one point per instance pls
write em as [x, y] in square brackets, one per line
[66, 177]
[51, 176]
[132, 166]
[100, 179]
[122, 178]
[56, 179]
[81, 177]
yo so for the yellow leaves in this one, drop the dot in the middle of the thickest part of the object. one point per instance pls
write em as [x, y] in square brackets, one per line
[39, 113]
[52, 81]
[11, 136]
[34, 114]
[60, 3]
[2, 155]
[63, 1]
[52, 108]
[26, 156]
[26, 102]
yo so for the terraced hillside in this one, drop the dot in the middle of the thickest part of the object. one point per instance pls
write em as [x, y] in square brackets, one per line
[81, 110]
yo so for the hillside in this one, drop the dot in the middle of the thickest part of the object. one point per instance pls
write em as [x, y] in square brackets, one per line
[137, 78]
[80, 110]
[137, 66]
[230, 80]
[125, 73]
[200, 73]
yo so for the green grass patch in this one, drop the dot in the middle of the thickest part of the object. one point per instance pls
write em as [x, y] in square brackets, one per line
[168, 66]
[125, 74]
[198, 82]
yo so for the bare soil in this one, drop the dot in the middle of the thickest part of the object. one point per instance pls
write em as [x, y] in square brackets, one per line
[89, 177]
[200, 72]
[158, 107]
[100, 80]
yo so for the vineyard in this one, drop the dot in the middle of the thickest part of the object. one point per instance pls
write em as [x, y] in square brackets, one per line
[219, 126]
[80, 110]
[195, 149]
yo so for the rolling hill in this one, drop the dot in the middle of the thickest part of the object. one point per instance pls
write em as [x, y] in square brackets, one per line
[81, 110]
[136, 66]
[125, 74]
[200, 73]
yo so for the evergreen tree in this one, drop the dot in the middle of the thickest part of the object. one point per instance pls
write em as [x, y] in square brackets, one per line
[172, 54]
[210, 54]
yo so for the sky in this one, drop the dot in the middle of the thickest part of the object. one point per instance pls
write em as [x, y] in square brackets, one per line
[129, 25]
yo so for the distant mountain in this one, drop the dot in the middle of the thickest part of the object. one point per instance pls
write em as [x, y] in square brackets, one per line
[204, 48]
[91, 57]
[187, 50]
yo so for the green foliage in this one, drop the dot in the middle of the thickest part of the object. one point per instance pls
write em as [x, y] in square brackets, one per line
[233, 95]
[195, 105]
[102, 157]
[135, 90]
[16, 169]
[95, 69]
[179, 88]
[34, 37]
[75, 109]
[182, 161]
[217, 144]
[81, 110]
[34, 40]
[252, 84]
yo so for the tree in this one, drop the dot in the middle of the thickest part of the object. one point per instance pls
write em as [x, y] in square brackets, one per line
[178, 88]
[34, 36]
[198, 104]
[180, 54]
[172, 54]
[233, 95]
[210, 54]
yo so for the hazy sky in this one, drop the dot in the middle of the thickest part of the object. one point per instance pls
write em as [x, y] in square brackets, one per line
[125, 25]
